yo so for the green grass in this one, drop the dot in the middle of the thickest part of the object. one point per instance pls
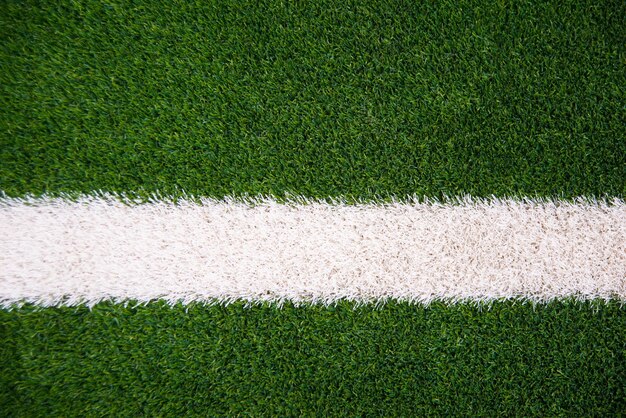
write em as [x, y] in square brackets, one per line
[315, 98]
[321, 98]
[563, 358]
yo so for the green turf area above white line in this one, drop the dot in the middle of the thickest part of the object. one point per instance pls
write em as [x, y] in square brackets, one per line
[376, 98]
[56, 251]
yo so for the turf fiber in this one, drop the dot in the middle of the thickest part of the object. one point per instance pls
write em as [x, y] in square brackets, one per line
[564, 358]
[319, 99]
[365, 99]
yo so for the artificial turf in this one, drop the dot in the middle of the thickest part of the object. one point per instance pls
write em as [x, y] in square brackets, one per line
[510, 359]
[325, 98]
[318, 98]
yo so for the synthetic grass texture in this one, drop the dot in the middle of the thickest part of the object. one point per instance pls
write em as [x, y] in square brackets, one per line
[510, 98]
[55, 251]
[379, 98]
[562, 358]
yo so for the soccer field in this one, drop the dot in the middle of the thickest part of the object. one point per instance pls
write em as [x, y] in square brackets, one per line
[387, 115]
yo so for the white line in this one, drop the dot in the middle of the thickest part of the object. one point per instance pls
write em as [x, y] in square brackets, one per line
[53, 251]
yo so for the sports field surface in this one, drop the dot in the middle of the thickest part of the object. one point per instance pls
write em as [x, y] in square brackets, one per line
[228, 123]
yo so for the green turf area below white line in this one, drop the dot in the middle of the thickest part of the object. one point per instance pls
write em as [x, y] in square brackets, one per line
[57, 251]
[561, 358]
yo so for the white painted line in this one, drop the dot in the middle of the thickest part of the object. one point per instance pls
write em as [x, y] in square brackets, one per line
[53, 251]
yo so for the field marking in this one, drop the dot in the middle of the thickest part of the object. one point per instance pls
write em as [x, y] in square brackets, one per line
[54, 251]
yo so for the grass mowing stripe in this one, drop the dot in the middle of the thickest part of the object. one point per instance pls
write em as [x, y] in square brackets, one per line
[372, 98]
[562, 358]
[59, 251]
